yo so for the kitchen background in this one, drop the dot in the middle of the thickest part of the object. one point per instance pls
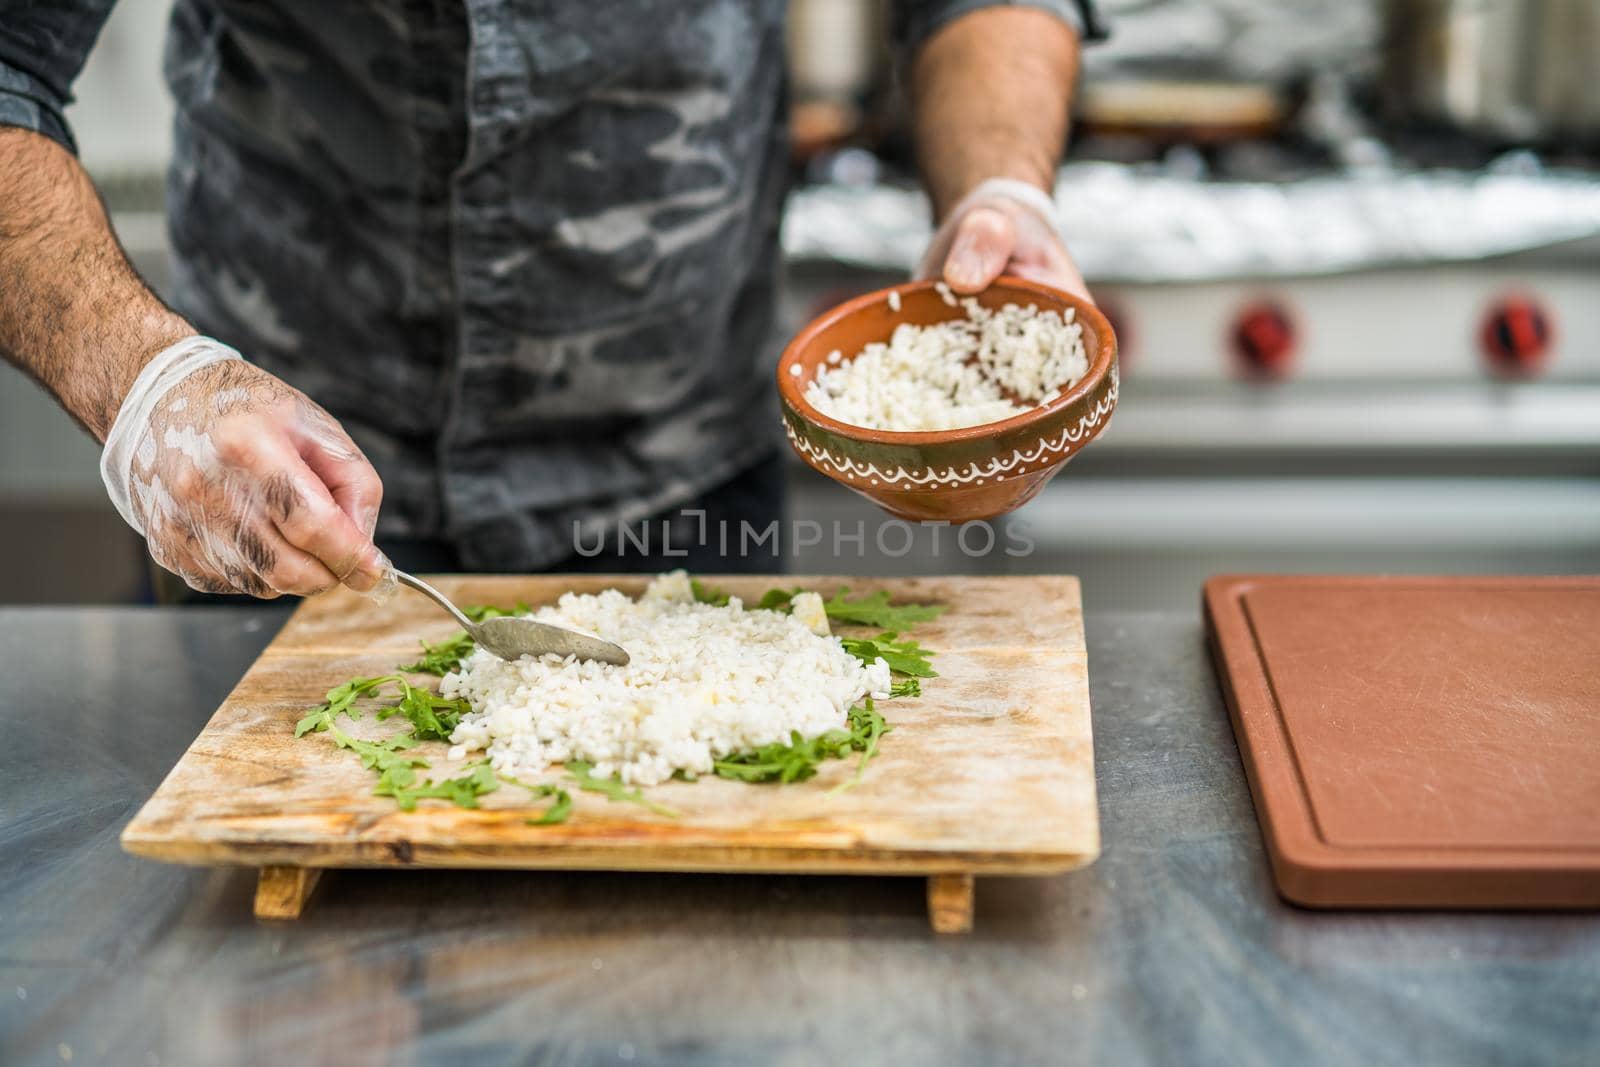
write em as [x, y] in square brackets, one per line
[1351, 250]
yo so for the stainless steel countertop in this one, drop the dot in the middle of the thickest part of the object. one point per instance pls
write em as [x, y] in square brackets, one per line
[1172, 948]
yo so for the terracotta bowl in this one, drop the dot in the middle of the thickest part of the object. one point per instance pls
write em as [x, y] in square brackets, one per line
[977, 472]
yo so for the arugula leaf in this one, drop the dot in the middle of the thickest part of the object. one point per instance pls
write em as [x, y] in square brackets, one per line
[707, 594]
[447, 655]
[905, 687]
[875, 610]
[433, 717]
[906, 657]
[380, 755]
[777, 599]
[463, 792]
[867, 727]
[613, 789]
[316, 721]
[800, 757]
[443, 657]
[340, 700]
[396, 770]
[480, 612]
[341, 696]
[792, 762]
[556, 812]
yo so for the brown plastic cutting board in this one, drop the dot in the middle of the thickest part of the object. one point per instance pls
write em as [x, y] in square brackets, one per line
[1418, 742]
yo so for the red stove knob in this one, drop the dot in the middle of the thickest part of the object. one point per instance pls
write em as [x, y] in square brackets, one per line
[1516, 336]
[1264, 339]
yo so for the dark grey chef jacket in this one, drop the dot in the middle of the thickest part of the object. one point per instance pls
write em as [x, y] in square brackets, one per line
[523, 249]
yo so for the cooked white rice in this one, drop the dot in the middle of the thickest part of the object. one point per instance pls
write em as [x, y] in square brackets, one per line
[703, 682]
[962, 372]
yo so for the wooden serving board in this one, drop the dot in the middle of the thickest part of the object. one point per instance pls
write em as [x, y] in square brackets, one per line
[990, 771]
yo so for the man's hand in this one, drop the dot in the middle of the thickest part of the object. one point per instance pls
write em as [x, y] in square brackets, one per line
[1002, 227]
[240, 483]
[991, 94]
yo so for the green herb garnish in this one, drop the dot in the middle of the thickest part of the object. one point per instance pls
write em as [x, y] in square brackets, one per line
[906, 657]
[905, 687]
[794, 761]
[381, 755]
[799, 758]
[778, 599]
[706, 594]
[556, 812]
[613, 789]
[463, 792]
[434, 717]
[480, 612]
[396, 768]
[340, 700]
[867, 727]
[443, 657]
[875, 610]
[447, 655]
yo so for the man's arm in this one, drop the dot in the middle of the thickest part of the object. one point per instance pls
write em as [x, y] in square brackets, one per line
[73, 313]
[238, 482]
[991, 95]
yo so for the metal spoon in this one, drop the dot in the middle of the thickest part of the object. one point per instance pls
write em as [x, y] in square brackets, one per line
[510, 638]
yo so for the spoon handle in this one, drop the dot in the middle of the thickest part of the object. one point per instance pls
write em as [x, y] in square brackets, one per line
[437, 597]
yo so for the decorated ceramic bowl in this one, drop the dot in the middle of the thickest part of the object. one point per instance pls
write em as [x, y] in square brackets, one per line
[977, 472]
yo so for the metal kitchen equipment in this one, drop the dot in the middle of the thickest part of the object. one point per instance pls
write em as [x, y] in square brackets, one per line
[1169, 111]
[510, 638]
[1511, 70]
[1376, 372]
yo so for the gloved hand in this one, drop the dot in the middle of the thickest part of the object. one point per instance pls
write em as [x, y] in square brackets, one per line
[238, 482]
[1004, 226]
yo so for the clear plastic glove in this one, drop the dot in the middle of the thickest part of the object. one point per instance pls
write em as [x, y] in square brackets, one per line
[1004, 226]
[240, 483]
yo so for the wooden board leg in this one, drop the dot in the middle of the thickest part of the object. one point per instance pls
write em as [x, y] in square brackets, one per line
[950, 903]
[282, 892]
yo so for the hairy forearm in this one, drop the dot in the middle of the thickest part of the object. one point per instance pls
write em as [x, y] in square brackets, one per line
[73, 313]
[991, 95]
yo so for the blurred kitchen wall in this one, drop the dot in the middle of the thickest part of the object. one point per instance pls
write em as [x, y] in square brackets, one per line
[1260, 427]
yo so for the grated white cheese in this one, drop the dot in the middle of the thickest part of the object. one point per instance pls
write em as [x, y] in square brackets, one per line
[808, 611]
[962, 372]
[703, 682]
